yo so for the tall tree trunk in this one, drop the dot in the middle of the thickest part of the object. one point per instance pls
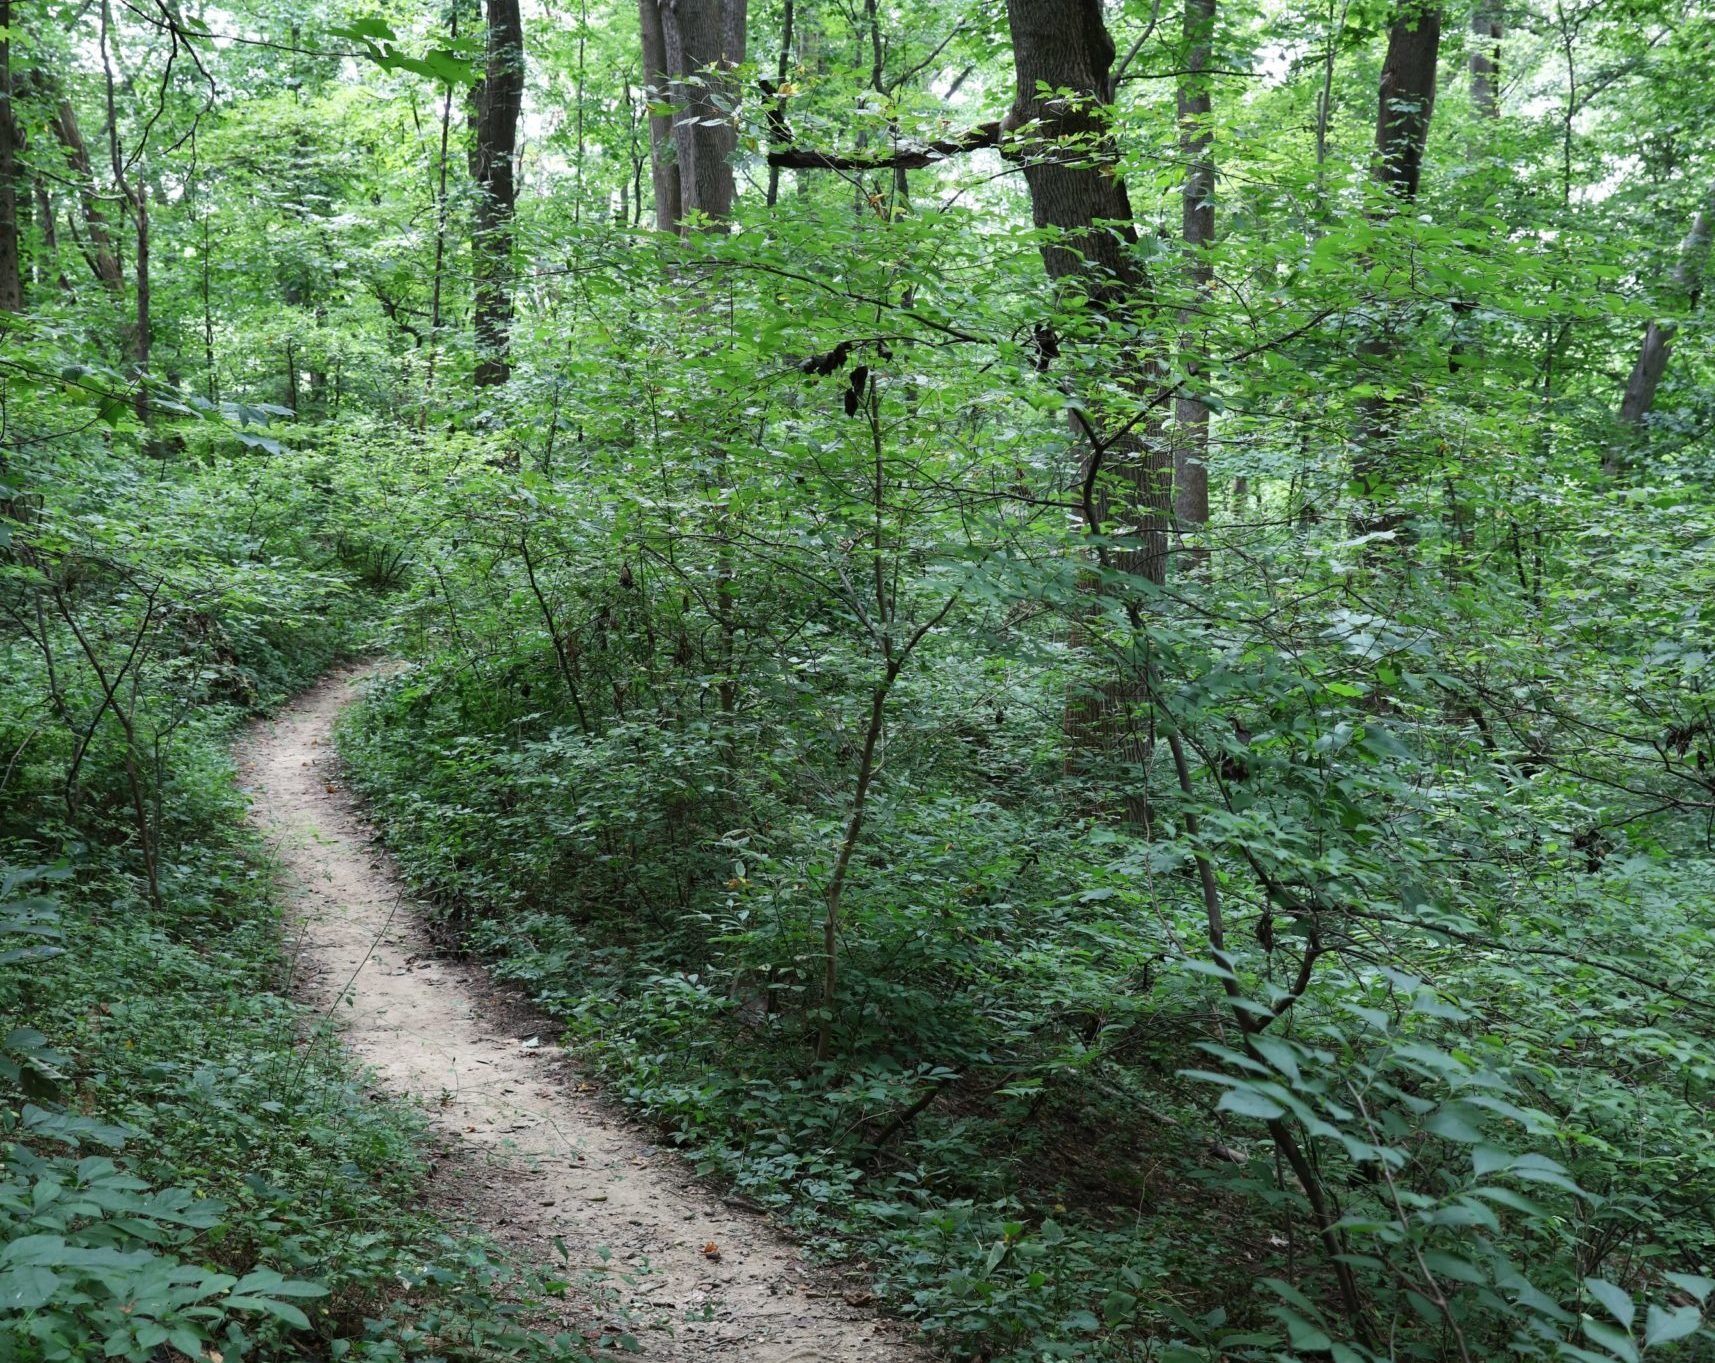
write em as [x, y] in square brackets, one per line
[135, 193]
[97, 242]
[11, 276]
[437, 283]
[788, 17]
[1405, 102]
[499, 103]
[1197, 217]
[703, 36]
[1685, 284]
[47, 261]
[1069, 167]
[1068, 155]
[1486, 30]
[657, 79]
[143, 336]
[1407, 98]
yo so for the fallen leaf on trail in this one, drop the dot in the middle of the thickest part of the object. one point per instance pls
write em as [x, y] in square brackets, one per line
[331, 787]
[598, 1197]
[712, 1251]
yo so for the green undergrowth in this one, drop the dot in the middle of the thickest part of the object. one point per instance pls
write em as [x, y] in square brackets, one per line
[190, 1165]
[1037, 1130]
[973, 1147]
[189, 1140]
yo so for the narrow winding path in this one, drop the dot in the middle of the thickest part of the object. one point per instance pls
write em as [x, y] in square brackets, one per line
[535, 1153]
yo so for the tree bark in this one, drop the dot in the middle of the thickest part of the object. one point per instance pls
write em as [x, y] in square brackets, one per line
[1067, 150]
[664, 170]
[11, 275]
[1197, 228]
[703, 39]
[499, 101]
[1405, 102]
[135, 193]
[1685, 284]
[1486, 30]
[1407, 98]
[98, 243]
[1068, 155]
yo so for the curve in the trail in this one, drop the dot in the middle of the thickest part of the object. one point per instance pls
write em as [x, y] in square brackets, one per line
[537, 1156]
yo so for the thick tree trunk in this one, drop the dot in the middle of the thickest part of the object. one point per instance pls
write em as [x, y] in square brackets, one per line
[664, 169]
[11, 275]
[499, 102]
[1068, 155]
[1486, 31]
[703, 36]
[1405, 103]
[1068, 159]
[1407, 98]
[1685, 284]
[1191, 443]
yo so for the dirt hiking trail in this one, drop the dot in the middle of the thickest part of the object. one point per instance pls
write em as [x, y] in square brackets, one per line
[534, 1152]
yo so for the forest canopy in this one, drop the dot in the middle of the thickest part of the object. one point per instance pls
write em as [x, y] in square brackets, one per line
[1072, 640]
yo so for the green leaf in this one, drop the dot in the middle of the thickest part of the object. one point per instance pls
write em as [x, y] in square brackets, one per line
[27, 1287]
[1453, 1123]
[1614, 1298]
[1616, 1342]
[1247, 1102]
[268, 1306]
[1663, 1327]
[365, 28]
[1693, 1283]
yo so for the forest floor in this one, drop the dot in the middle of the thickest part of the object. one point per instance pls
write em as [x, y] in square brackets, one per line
[533, 1155]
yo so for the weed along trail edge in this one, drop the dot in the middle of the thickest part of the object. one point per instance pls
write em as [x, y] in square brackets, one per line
[535, 1154]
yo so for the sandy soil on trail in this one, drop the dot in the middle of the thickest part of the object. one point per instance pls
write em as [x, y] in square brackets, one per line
[533, 1152]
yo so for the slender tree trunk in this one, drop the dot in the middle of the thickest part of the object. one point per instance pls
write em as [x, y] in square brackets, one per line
[11, 275]
[1405, 102]
[499, 104]
[781, 68]
[831, 918]
[135, 193]
[143, 341]
[47, 263]
[1486, 30]
[441, 210]
[1191, 444]
[1685, 285]
[208, 316]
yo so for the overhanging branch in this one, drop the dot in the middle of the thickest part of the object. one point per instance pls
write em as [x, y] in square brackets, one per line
[905, 158]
